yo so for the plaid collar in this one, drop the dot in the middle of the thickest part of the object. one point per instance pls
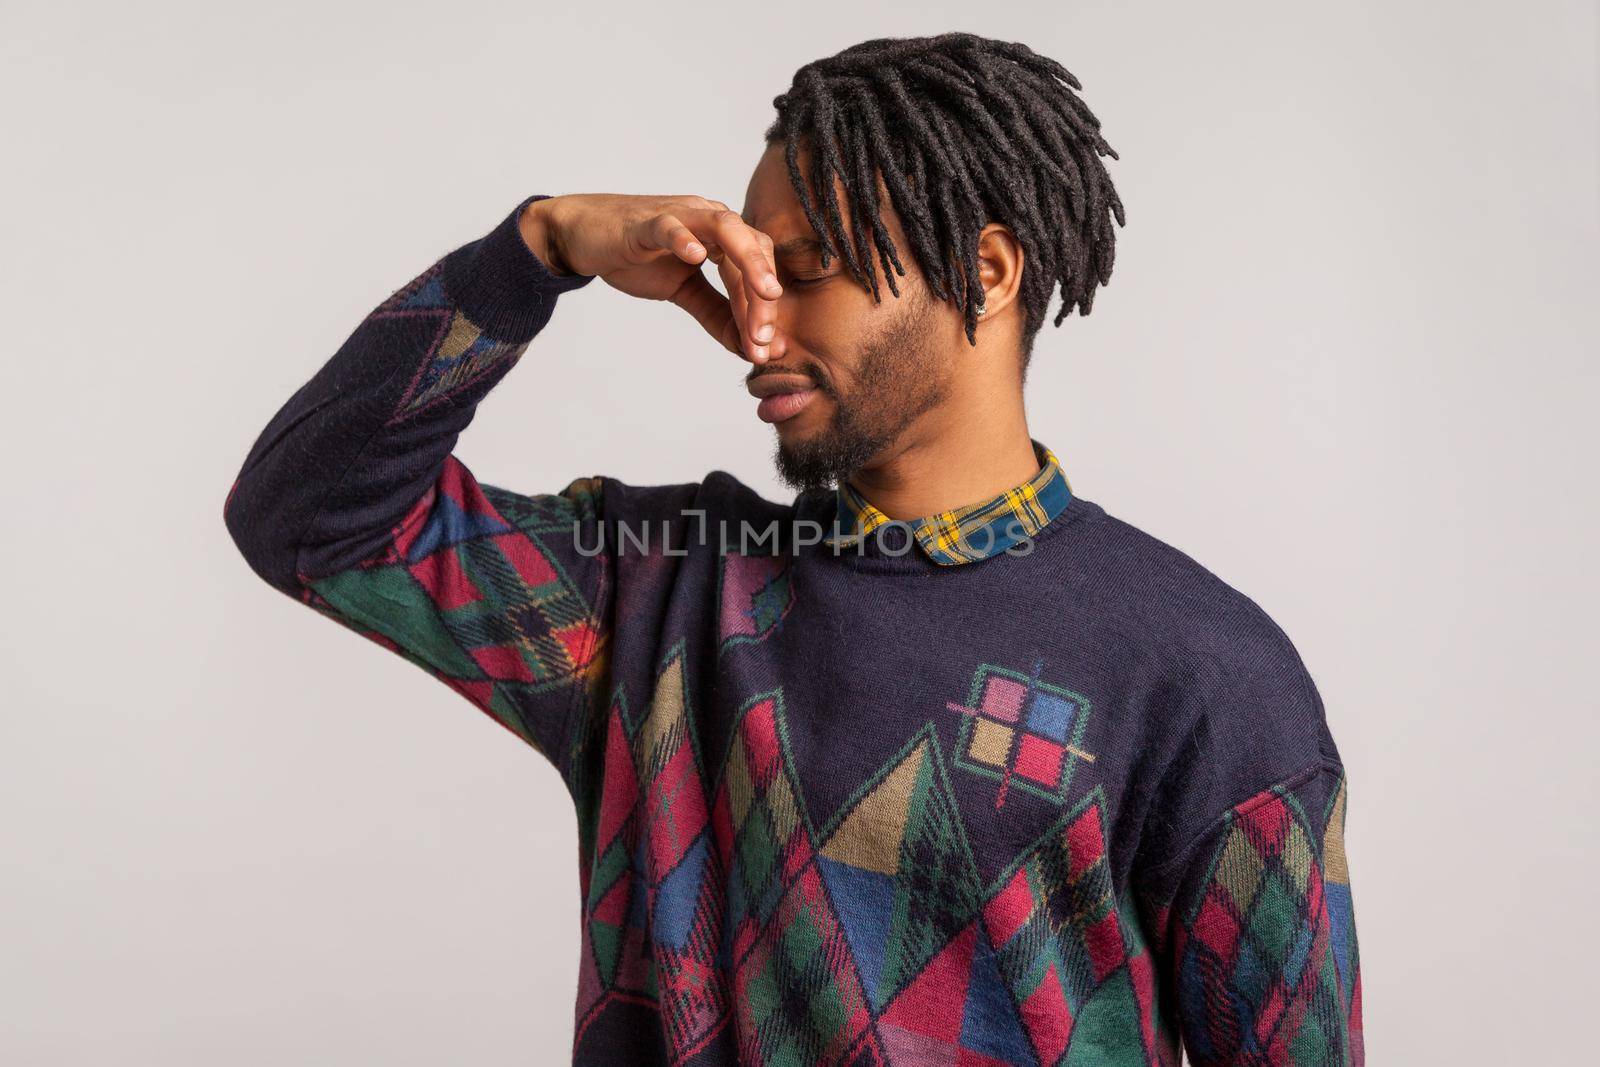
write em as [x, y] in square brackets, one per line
[973, 532]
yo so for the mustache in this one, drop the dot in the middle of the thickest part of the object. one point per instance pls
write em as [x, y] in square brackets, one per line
[815, 373]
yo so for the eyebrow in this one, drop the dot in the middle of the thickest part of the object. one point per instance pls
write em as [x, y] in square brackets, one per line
[796, 245]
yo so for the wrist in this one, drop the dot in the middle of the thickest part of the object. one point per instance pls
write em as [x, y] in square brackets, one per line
[540, 233]
[500, 283]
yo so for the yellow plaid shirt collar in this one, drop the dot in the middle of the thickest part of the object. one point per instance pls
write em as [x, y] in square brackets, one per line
[973, 532]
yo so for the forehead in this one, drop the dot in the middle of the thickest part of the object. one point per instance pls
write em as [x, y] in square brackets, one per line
[771, 205]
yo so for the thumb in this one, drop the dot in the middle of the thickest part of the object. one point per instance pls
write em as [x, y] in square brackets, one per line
[710, 309]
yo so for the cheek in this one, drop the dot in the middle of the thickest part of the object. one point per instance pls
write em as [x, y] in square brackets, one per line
[828, 327]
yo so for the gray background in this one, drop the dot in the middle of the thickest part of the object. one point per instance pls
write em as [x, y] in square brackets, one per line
[1347, 361]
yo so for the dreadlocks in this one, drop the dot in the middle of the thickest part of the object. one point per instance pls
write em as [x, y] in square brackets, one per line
[963, 131]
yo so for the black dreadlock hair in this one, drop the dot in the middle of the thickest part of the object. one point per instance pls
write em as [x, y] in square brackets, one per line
[964, 130]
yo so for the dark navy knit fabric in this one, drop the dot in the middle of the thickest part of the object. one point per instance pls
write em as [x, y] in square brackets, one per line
[1073, 805]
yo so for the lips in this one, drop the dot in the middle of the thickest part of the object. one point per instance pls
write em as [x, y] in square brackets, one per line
[783, 405]
[782, 396]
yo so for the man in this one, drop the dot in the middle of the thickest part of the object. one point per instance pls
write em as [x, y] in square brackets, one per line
[938, 763]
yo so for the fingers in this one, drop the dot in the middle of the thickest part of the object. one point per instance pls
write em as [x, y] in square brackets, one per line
[668, 234]
[745, 321]
[738, 302]
[751, 252]
[744, 258]
[711, 310]
[756, 283]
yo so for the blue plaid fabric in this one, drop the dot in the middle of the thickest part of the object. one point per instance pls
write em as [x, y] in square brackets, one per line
[973, 532]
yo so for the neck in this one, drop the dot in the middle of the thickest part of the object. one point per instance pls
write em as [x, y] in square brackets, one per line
[959, 458]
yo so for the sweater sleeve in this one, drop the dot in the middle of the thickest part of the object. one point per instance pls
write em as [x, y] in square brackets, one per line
[1259, 937]
[1244, 882]
[352, 502]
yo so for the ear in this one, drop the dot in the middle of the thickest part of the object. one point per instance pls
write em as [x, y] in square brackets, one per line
[999, 269]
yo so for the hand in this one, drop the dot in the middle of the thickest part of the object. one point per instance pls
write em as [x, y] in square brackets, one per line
[653, 247]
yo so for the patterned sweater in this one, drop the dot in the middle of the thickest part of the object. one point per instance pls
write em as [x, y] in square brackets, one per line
[1069, 806]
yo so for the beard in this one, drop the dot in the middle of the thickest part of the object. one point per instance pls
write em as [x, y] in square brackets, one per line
[896, 381]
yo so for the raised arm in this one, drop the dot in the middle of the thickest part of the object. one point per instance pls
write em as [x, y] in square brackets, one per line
[352, 500]
[359, 444]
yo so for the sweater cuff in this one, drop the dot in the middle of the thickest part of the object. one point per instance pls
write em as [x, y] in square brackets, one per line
[498, 283]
